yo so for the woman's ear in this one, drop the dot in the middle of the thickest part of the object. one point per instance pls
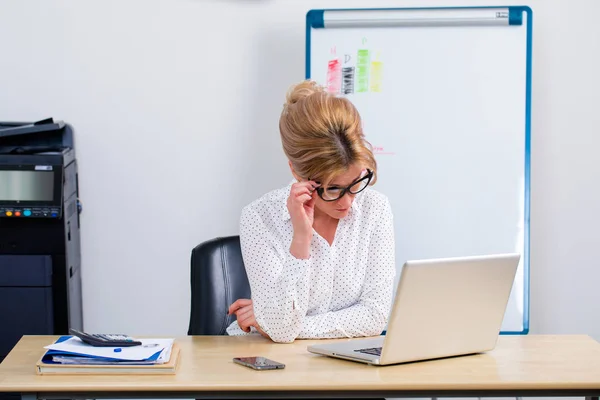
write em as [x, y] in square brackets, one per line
[299, 179]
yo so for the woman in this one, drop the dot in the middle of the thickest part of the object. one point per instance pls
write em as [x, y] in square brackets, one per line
[319, 253]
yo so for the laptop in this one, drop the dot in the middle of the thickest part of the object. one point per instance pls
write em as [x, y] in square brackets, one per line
[443, 308]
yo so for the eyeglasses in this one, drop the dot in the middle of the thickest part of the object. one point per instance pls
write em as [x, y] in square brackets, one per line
[334, 193]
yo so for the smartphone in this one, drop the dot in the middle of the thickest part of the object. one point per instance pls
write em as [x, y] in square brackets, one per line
[258, 363]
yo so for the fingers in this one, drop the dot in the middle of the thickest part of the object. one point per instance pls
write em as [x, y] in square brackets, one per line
[243, 311]
[305, 184]
[304, 192]
[239, 303]
[304, 198]
[243, 316]
[297, 192]
[301, 192]
[300, 197]
[304, 187]
[247, 323]
[311, 201]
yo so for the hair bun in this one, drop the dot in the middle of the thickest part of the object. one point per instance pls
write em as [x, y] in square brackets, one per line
[302, 90]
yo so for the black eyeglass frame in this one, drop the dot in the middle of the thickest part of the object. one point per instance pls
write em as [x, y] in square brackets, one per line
[368, 176]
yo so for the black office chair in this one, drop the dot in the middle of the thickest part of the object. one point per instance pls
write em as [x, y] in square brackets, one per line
[218, 278]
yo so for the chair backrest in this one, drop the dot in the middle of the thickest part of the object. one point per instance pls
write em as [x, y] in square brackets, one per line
[218, 278]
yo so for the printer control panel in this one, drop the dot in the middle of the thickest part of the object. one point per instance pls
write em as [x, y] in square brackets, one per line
[30, 212]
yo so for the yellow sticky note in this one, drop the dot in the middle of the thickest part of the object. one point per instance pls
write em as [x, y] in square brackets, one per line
[376, 76]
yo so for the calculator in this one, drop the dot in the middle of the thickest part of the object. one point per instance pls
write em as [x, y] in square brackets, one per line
[105, 339]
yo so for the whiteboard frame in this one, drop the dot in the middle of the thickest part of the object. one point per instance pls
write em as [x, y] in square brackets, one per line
[315, 20]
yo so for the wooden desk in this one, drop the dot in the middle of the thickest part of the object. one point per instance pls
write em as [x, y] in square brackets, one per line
[519, 366]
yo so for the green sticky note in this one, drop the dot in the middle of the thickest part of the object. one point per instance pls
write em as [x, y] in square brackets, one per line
[362, 71]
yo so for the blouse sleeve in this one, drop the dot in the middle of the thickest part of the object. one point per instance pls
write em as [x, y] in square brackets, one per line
[279, 282]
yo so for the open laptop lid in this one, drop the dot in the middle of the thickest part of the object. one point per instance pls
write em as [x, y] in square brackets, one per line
[447, 307]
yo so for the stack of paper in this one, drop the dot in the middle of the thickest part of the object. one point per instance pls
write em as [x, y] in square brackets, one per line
[70, 351]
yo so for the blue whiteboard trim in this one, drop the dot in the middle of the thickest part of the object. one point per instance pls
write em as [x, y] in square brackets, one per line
[515, 16]
[529, 14]
[316, 19]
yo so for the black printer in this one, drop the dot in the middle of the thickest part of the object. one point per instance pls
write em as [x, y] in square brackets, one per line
[40, 260]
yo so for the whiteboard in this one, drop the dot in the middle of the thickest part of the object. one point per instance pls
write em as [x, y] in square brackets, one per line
[445, 99]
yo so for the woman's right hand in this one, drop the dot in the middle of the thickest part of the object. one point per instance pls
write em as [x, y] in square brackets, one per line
[301, 206]
[244, 313]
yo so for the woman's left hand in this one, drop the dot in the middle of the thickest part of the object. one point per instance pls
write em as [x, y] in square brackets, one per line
[244, 312]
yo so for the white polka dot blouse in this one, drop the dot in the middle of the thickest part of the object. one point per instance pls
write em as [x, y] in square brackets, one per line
[342, 290]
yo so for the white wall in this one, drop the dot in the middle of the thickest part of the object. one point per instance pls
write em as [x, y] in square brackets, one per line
[175, 106]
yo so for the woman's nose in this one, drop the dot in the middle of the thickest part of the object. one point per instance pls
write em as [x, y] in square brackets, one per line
[346, 200]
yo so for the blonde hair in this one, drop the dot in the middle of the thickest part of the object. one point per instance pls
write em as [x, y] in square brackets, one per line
[322, 134]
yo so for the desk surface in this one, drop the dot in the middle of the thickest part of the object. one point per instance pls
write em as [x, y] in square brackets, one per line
[519, 363]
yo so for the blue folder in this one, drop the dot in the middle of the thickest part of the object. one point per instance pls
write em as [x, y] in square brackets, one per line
[47, 358]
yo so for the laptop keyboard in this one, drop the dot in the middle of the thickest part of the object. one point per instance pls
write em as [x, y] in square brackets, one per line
[376, 351]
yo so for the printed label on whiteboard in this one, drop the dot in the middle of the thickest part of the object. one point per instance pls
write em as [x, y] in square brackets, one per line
[348, 80]
[348, 70]
[43, 167]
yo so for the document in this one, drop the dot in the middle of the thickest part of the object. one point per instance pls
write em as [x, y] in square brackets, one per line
[150, 350]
